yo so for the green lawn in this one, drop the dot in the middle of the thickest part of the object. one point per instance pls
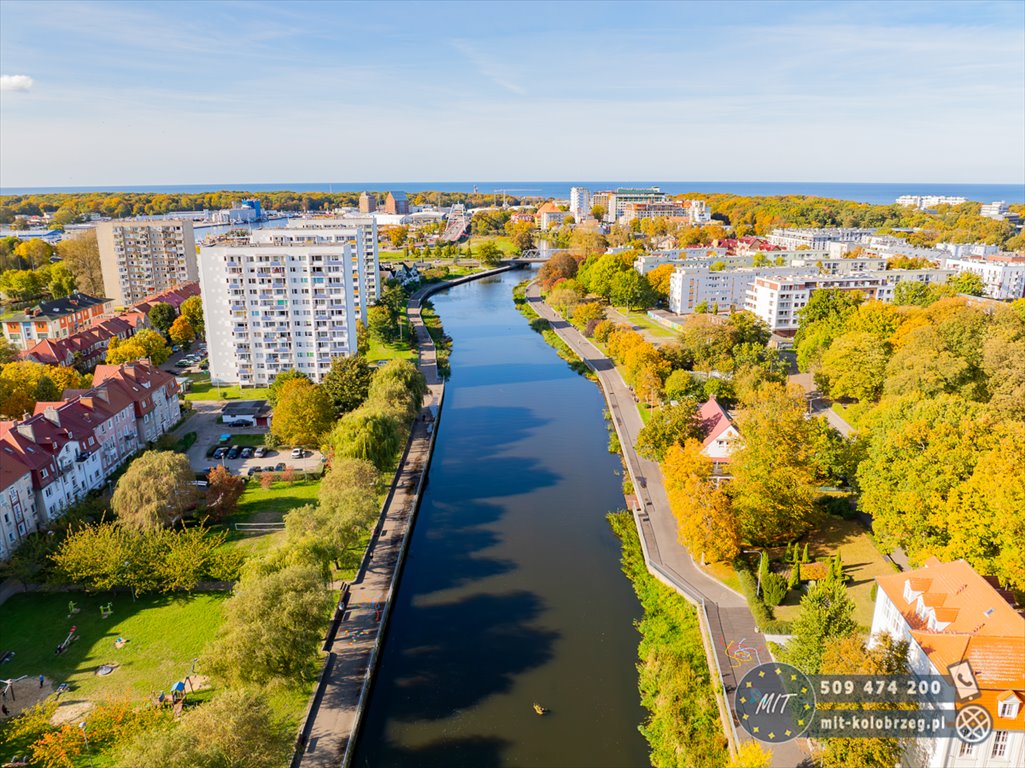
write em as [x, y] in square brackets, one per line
[642, 319]
[504, 243]
[396, 351]
[164, 635]
[202, 390]
[259, 505]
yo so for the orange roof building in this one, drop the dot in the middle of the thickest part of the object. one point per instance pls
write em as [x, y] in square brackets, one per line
[948, 613]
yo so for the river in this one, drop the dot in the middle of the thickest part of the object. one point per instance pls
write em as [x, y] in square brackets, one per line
[511, 592]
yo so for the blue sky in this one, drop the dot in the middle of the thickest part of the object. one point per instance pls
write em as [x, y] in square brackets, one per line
[100, 93]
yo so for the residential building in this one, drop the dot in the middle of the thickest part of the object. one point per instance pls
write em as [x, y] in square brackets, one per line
[778, 298]
[815, 239]
[948, 613]
[367, 203]
[622, 197]
[580, 202]
[699, 212]
[1000, 211]
[1002, 274]
[272, 307]
[17, 502]
[397, 203]
[154, 394]
[666, 209]
[725, 290]
[142, 257]
[549, 214]
[966, 250]
[691, 256]
[56, 319]
[929, 201]
[360, 231]
[721, 436]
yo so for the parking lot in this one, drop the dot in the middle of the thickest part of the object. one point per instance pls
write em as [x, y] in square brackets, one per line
[208, 433]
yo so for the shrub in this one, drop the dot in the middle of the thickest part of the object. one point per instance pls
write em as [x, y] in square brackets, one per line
[774, 589]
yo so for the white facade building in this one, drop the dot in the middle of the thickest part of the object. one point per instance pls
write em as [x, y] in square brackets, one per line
[1004, 279]
[362, 232]
[621, 198]
[696, 256]
[725, 289]
[17, 502]
[948, 613]
[929, 201]
[272, 308]
[778, 299]
[815, 239]
[580, 202]
[700, 213]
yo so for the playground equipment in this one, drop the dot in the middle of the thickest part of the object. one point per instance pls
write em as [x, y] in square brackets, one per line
[106, 610]
[72, 608]
[63, 646]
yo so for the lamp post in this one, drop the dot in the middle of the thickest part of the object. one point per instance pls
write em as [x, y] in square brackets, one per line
[758, 588]
[88, 751]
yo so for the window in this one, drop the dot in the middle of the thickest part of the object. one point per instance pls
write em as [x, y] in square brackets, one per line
[999, 744]
[1008, 708]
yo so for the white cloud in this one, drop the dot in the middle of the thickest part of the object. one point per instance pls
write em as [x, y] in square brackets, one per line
[15, 83]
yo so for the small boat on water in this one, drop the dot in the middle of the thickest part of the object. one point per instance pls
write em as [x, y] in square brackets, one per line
[538, 709]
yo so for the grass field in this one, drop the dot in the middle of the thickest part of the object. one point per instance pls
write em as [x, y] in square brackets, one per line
[164, 635]
[862, 563]
[397, 351]
[642, 319]
[202, 390]
[504, 243]
[259, 505]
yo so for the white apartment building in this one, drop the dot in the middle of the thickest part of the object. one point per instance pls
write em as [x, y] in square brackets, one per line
[948, 613]
[580, 202]
[277, 307]
[815, 239]
[140, 258]
[692, 256]
[17, 502]
[699, 211]
[778, 299]
[362, 232]
[1004, 278]
[726, 289]
[621, 198]
[929, 201]
[966, 250]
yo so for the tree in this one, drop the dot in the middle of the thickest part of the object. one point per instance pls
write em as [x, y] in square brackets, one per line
[304, 413]
[630, 290]
[192, 310]
[61, 282]
[8, 352]
[348, 383]
[854, 366]
[367, 433]
[826, 613]
[144, 344]
[272, 626]
[821, 320]
[23, 383]
[598, 212]
[162, 316]
[669, 425]
[704, 516]
[397, 236]
[968, 283]
[659, 278]
[489, 254]
[1003, 350]
[182, 332]
[401, 383]
[772, 488]
[274, 391]
[561, 266]
[597, 278]
[36, 252]
[223, 492]
[155, 490]
[81, 255]
[751, 754]
[381, 324]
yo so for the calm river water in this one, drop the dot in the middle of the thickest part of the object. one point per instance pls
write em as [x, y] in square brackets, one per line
[512, 591]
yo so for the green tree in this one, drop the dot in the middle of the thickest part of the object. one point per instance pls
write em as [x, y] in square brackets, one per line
[968, 283]
[348, 383]
[822, 319]
[367, 433]
[772, 488]
[272, 626]
[628, 289]
[155, 490]
[597, 276]
[61, 282]
[854, 366]
[303, 414]
[826, 613]
[144, 344]
[81, 255]
[381, 325]
[162, 316]
[489, 254]
[667, 426]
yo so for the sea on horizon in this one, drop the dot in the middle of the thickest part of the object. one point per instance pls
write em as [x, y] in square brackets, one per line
[877, 194]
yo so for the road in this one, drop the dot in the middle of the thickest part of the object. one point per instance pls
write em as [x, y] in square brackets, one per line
[738, 644]
[820, 406]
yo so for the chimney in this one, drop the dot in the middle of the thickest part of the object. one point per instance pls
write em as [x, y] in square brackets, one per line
[25, 429]
[51, 415]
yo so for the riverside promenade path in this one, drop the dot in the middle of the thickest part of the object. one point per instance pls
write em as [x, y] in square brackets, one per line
[332, 722]
[737, 644]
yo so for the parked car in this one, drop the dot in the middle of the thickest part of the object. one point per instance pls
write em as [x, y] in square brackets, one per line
[260, 452]
[247, 452]
[279, 467]
[254, 470]
[298, 453]
[233, 452]
[268, 468]
[219, 453]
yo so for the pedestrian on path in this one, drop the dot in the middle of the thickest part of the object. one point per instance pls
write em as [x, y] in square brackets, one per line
[41, 681]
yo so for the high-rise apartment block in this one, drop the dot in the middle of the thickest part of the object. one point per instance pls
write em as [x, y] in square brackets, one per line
[140, 258]
[367, 203]
[283, 299]
[580, 202]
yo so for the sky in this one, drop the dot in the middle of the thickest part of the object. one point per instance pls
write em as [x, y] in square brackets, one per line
[107, 93]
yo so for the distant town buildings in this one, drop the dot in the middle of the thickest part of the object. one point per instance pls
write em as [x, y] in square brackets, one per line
[54, 319]
[281, 300]
[815, 239]
[245, 212]
[396, 202]
[1000, 211]
[549, 214]
[929, 201]
[948, 613]
[580, 202]
[50, 460]
[367, 203]
[143, 257]
[1002, 274]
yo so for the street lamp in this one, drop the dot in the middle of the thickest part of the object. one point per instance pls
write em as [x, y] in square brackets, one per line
[758, 588]
[88, 751]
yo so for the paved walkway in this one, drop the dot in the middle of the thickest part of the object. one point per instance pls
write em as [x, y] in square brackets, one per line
[338, 704]
[738, 644]
[819, 405]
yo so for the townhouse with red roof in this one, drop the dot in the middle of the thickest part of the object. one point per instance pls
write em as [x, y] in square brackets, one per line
[153, 391]
[948, 613]
[17, 502]
[721, 435]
